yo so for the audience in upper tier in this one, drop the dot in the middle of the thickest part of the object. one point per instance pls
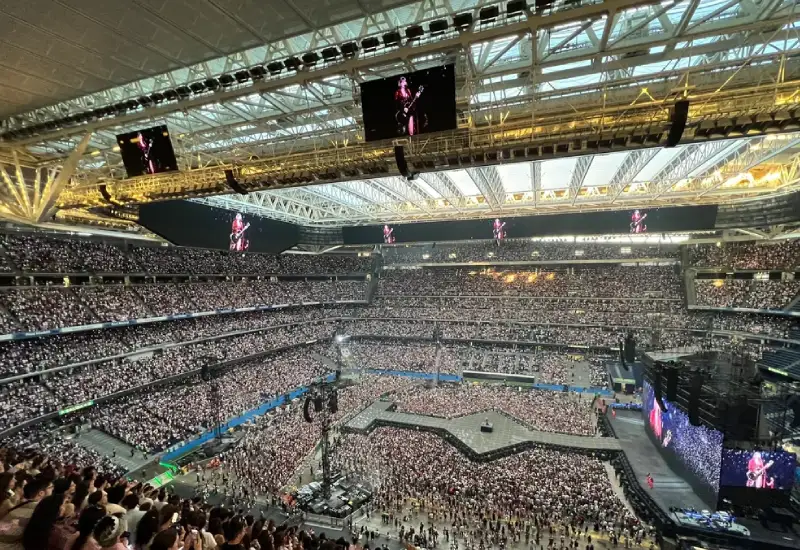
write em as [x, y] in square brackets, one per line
[45, 308]
[524, 251]
[769, 255]
[755, 294]
[43, 254]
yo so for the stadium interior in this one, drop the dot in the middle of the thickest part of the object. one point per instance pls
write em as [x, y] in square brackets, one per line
[383, 274]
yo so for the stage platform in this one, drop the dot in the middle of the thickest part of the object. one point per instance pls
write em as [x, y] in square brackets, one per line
[507, 431]
[670, 489]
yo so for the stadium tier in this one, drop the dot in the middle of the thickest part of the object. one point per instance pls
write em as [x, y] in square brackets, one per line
[399, 275]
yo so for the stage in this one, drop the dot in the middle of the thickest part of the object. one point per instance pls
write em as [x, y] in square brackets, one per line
[507, 431]
[670, 490]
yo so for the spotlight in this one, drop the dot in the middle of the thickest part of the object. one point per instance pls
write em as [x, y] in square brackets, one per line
[242, 76]
[414, 32]
[391, 38]
[132, 104]
[462, 21]
[183, 91]
[329, 54]
[516, 7]
[275, 68]
[488, 15]
[437, 27]
[291, 64]
[170, 95]
[226, 80]
[310, 59]
[258, 72]
[370, 44]
[349, 49]
[197, 87]
[212, 84]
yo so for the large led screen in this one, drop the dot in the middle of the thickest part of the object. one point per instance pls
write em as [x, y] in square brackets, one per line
[409, 104]
[758, 469]
[683, 218]
[187, 223]
[147, 151]
[696, 450]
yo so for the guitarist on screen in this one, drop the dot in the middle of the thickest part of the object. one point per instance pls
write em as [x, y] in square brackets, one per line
[238, 227]
[757, 472]
[637, 222]
[406, 103]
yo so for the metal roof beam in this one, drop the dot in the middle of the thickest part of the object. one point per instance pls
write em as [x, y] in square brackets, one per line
[582, 166]
[489, 183]
[634, 162]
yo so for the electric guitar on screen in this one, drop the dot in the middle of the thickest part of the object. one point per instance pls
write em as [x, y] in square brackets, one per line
[754, 475]
[236, 235]
[498, 231]
[402, 115]
[638, 222]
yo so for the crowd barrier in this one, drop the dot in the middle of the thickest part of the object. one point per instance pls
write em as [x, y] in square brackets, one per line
[421, 375]
[188, 446]
[147, 320]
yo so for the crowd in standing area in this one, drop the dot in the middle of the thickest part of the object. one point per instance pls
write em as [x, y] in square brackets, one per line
[429, 494]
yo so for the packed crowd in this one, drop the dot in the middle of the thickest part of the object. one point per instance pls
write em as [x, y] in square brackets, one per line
[546, 411]
[37, 354]
[755, 294]
[597, 282]
[781, 255]
[442, 497]
[32, 397]
[265, 440]
[50, 502]
[44, 254]
[44, 308]
[159, 418]
[523, 250]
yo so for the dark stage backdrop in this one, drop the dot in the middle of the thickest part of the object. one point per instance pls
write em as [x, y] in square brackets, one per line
[186, 223]
[683, 218]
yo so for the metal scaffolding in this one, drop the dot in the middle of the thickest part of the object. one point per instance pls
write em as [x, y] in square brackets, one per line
[584, 72]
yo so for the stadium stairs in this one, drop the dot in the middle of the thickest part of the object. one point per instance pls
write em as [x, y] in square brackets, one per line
[105, 444]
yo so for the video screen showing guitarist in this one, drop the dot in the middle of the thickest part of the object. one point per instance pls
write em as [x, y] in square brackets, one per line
[238, 228]
[409, 120]
[499, 230]
[637, 222]
[757, 473]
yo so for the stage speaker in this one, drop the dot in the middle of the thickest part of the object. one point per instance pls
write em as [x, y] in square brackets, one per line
[657, 392]
[630, 349]
[400, 159]
[233, 184]
[743, 418]
[318, 404]
[307, 410]
[333, 403]
[672, 384]
[205, 373]
[694, 399]
[680, 113]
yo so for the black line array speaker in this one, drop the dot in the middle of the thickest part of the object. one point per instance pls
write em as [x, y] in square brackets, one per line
[680, 114]
[233, 184]
[400, 159]
[630, 349]
[694, 399]
[672, 384]
[657, 392]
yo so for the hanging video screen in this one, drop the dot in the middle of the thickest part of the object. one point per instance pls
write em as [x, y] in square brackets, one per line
[656, 220]
[409, 104]
[773, 470]
[147, 151]
[187, 223]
